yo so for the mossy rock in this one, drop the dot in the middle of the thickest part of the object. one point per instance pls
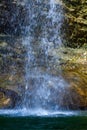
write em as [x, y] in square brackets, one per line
[75, 23]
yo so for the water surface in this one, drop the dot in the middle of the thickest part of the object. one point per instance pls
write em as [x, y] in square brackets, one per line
[54, 121]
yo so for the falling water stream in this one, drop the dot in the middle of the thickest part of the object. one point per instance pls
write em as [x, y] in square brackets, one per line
[42, 90]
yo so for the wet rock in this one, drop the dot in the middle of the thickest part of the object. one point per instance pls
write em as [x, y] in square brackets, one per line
[75, 74]
[12, 18]
[76, 93]
[73, 64]
[8, 98]
[12, 53]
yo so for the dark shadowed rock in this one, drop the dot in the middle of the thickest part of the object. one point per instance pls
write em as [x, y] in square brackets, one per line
[12, 18]
[8, 98]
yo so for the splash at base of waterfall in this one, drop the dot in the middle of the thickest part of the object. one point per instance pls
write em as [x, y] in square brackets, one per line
[44, 91]
[39, 112]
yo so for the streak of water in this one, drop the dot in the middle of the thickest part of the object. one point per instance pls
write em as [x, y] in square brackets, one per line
[42, 90]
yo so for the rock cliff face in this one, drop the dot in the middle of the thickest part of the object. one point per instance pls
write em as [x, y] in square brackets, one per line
[73, 62]
[12, 54]
[76, 20]
[13, 18]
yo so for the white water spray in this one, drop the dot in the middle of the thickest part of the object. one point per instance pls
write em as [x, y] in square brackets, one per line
[42, 90]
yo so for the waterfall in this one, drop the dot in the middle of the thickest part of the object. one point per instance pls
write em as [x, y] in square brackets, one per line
[43, 34]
